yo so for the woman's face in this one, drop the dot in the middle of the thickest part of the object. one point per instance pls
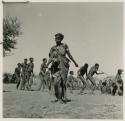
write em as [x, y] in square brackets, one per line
[58, 40]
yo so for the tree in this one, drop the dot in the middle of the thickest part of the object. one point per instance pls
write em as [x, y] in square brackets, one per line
[11, 30]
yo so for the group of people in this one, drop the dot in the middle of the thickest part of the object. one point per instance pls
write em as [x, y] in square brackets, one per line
[58, 68]
[24, 74]
[83, 75]
[113, 87]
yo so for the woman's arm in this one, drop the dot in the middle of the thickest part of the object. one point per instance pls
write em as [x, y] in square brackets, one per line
[99, 73]
[50, 57]
[70, 56]
[86, 72]
[41, 70]
[49, 61]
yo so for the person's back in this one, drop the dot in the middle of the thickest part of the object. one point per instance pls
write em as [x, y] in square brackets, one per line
[83, 70]
[92, 71]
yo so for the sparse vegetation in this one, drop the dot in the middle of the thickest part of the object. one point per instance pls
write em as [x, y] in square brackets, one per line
[11, 30]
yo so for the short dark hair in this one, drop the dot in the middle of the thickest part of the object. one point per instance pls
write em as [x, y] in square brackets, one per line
[120, 71]
[59, 35]
[25, 59]
[31, 58]
[19, 64]
[86, 65]
[44, 59]
[96, 64]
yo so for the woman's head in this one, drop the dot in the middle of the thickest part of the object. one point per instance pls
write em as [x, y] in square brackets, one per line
[58, 38]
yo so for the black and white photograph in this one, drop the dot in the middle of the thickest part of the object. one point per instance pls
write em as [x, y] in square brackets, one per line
[62, 60]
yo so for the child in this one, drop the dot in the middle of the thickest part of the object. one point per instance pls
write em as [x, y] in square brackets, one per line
[70, 81]
[48, 79]
[118, 86]
[42, 73]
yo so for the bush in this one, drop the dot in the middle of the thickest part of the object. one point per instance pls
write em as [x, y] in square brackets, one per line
[9, 78]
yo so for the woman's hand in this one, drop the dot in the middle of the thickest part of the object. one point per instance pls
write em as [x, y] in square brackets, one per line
[76, 65]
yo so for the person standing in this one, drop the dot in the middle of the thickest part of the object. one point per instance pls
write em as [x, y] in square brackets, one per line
[18, 74]
[48, 79]
[42, 74]
[30, 73]
[70, 81]
[24, 75]
[58, 55]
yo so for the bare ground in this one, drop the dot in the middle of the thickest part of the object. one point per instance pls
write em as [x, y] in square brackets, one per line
[37, 104]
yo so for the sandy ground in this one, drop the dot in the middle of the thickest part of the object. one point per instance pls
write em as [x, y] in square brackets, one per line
[37, 104]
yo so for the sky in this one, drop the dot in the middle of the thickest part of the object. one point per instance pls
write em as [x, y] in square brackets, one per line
[93, 32]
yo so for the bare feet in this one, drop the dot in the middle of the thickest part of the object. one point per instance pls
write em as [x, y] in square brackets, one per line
[54, 101]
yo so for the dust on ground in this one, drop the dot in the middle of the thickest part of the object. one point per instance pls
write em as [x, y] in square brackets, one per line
[38, 104]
